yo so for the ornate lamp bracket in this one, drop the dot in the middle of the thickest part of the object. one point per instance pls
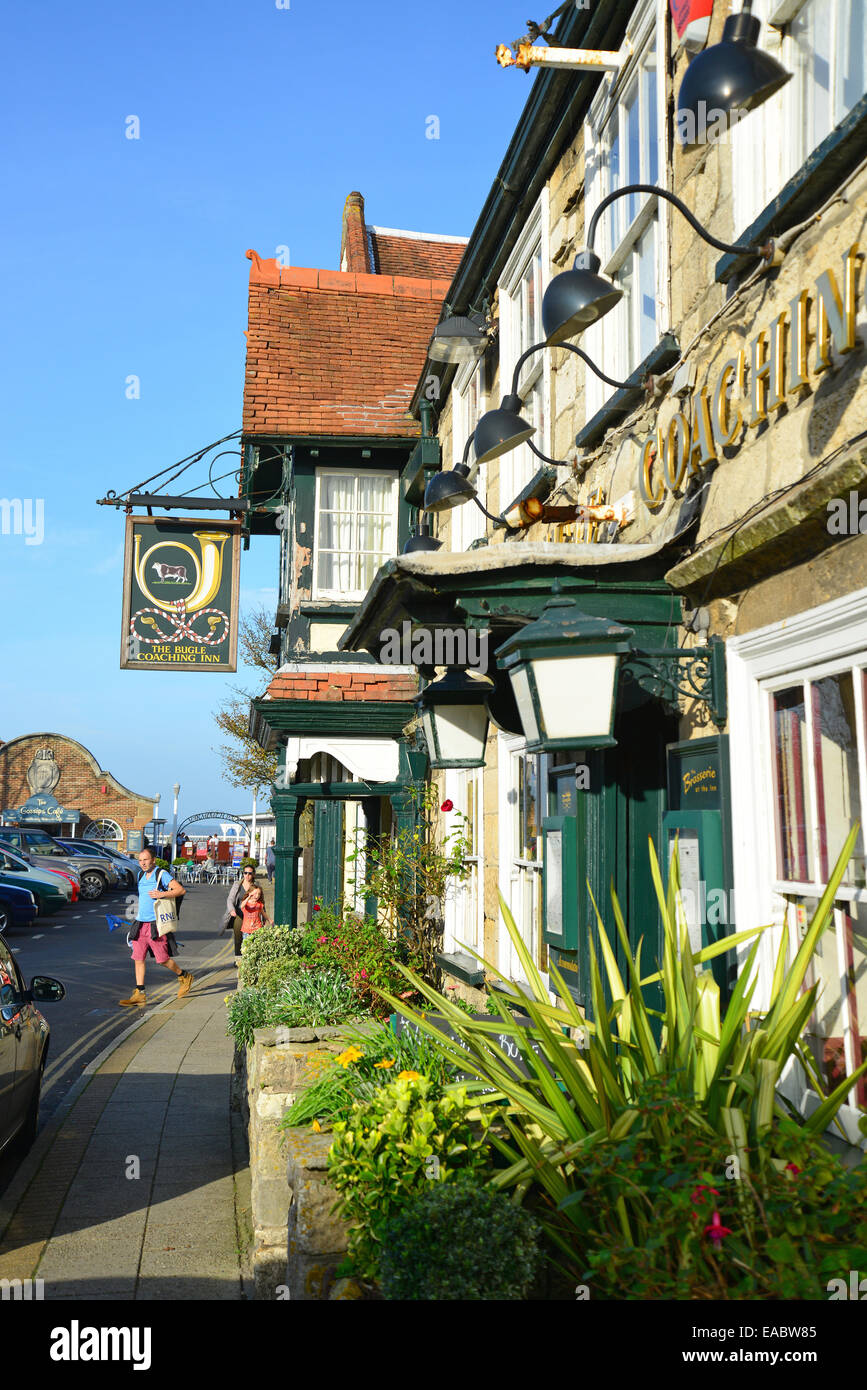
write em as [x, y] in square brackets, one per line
[698, 673]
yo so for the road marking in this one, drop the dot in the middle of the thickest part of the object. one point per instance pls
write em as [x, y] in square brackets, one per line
[37, 938]
[59, 927]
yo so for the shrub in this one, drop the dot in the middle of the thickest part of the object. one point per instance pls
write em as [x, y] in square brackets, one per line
[728, 1075]
[269, 943]
[381, 1058]
[662, 1212]
[273, 974]
[390, 1148]
[248, 863]
[311, 998]
[456, 1241]
[362, 950]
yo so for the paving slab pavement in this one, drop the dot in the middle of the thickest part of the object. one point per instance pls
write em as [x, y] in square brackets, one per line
[138, 1192]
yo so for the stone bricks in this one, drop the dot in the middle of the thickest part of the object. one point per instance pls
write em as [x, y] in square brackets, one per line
[291, 1203]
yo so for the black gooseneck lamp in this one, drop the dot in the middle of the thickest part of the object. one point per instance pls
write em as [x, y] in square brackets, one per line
[501, 430]
[452, 488]
[728, 79]
[579, 297]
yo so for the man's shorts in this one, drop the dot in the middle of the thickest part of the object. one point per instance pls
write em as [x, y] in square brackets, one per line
[156, 946]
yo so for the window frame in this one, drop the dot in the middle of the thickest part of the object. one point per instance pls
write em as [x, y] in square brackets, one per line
[513, 867]
[462, 532]
[819, 642]
[457, 783]
[780, 125]
[606, 341]
[353, 595]
[518, 466]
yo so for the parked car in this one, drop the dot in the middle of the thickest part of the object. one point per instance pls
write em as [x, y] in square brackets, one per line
[23, 1050]
[19, 907]
[52, 891]
[127, 867]
[47, 853]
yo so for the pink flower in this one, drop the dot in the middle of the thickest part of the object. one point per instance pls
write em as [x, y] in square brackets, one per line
[322, 939]
[697, 1191]
[793, 1169]
[364, 974]
[716, 1230]
[447, 806]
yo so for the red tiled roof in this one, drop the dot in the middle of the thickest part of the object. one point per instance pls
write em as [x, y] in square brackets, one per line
[335, 352]
[394, 254]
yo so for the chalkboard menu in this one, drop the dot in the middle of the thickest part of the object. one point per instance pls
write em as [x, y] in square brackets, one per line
[507, 1043]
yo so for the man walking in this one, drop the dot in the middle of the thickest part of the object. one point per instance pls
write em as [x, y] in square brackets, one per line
[144, 938]
[232, 916]
[270, 861]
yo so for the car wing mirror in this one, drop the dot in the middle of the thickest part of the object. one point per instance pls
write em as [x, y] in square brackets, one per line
[44, 989]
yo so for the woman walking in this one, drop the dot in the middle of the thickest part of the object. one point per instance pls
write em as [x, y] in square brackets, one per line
[237, 893]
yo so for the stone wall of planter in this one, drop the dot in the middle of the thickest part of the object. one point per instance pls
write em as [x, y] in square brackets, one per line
[297, 1242]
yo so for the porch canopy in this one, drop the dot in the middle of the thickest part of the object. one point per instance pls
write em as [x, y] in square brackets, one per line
[502, 587]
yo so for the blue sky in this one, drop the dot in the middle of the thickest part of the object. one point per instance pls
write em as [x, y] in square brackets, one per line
[125, 257]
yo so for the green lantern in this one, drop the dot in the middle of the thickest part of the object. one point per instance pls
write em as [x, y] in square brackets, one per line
[564, 669]
[455, 719]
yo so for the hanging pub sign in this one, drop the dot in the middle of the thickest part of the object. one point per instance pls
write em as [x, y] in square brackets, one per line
[180, 595]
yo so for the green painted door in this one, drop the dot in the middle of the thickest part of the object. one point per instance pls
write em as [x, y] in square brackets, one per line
[328, 853]
[614, 817]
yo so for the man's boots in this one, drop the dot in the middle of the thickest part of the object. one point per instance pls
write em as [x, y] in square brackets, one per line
[184, 983]
[137, 997]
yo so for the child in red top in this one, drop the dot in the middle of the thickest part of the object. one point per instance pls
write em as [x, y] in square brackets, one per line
[253, 909]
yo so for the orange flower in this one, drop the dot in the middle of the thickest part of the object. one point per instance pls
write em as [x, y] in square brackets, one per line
[351, 1055]
[409, 1076]
[317, 1128]
[384, 1064]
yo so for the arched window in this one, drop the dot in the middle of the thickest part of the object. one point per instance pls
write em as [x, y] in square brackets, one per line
[107, 830]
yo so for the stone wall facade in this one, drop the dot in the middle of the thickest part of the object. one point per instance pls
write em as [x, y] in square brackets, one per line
[298, 1242]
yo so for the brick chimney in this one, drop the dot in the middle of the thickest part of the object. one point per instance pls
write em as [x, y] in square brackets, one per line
[354, 253]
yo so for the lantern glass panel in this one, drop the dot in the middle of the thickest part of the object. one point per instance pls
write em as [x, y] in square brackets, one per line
[461, 732]
[575, 695]
[524, 701]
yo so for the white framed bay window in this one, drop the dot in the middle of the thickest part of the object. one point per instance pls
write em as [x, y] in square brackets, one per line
[823, 43]
[798, 714]
[521, 287]
[355, 530]
[623, 145]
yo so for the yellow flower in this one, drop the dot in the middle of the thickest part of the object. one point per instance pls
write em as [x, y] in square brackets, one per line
[317, 1128]
[351, 1055]
[409, 1076]
[384, 1064]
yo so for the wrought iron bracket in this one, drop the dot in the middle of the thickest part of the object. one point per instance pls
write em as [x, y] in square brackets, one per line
[698, 673]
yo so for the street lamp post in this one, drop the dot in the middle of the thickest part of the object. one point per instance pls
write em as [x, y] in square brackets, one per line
[156, 813]
[176, 789]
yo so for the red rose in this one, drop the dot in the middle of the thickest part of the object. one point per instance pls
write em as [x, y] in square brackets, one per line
[316, 907]
[447, 806]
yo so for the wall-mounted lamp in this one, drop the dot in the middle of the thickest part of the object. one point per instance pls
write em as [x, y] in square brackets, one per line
[565, 669]
[577, 298]
[459, 338]
[728, 79]
[499, 431]
[422, 540]
[452, 488]
[455, 719]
